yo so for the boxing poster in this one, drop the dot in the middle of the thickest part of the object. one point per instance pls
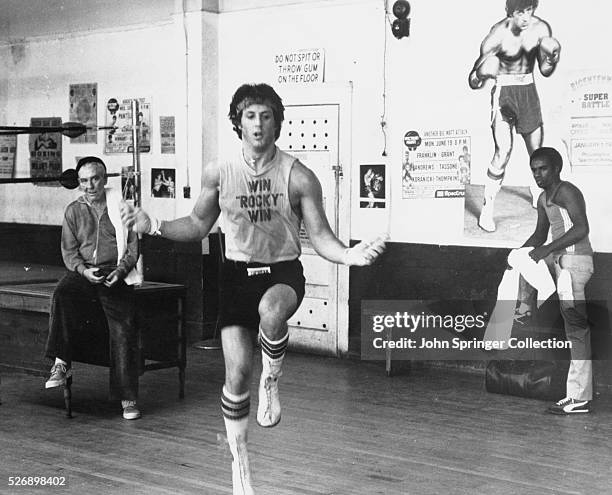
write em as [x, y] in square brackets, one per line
[119, 116]
[372, 186]
[46, 151]
[84, 109]
[589, 137]
[8, 152]
[167, 135]
[436, 163]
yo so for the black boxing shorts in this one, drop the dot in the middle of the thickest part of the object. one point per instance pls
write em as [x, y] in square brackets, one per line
[242, 285]
[518, 105]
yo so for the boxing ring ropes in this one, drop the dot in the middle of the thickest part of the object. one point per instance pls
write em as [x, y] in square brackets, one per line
[69, 177]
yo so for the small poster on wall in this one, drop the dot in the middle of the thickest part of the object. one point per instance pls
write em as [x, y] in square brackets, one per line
[372, 186]
[8, 152]
[590, 125]
[163, 183]
[46, 150]
[119, 116]
[436, 163]
[128, 183]
[84, 109]
[167, 135]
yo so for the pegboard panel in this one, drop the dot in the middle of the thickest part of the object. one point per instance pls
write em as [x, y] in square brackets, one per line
[310, 128]
[313, 313]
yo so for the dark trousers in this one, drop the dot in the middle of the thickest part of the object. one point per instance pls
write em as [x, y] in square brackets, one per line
[80, 314]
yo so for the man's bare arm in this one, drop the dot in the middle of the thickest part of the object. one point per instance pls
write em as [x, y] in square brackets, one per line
[540, 234]
[549, 50]
[487, 63]
[192, 227]
[306, 188]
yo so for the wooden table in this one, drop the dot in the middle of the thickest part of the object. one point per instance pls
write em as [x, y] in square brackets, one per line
[24, 324]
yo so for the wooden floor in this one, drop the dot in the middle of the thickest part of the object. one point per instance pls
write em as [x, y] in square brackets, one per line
[346, 429]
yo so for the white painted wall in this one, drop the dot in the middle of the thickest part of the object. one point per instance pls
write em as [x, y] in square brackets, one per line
[138, 60]
[426, 87]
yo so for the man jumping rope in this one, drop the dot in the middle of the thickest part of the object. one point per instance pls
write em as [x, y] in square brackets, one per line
[263, 194]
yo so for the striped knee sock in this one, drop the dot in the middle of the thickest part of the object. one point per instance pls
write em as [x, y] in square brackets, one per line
[273, 351]
[235, 413]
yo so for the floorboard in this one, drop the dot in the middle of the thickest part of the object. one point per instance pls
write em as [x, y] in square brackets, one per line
[346, 429]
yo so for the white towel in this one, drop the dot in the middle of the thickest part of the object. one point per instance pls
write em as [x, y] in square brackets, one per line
[536, 274]
[113, 201]
[502, 317]
[564, 286]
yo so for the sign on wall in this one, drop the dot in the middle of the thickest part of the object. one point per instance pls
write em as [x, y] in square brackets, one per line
[84, 109]
[590, 125]
[436, 163]
[46, 150]
[119, 116]
[299, 67]
[372, 186]
[8, 152]
[167, 134]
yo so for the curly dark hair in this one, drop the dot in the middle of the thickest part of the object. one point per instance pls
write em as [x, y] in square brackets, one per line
[262, 94]
[514, 5]
[549, 155]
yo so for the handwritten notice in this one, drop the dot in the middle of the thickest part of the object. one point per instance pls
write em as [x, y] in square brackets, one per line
[300, 67]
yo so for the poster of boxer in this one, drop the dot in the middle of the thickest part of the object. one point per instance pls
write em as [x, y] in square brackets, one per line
[508, 57]
[372, 189]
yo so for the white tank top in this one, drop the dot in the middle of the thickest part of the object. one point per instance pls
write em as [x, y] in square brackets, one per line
[256, 215]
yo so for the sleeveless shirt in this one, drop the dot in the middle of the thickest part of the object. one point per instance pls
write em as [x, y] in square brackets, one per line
[259, 224]
[560, 223]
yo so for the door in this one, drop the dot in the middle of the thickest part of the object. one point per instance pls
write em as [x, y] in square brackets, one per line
[312, 133]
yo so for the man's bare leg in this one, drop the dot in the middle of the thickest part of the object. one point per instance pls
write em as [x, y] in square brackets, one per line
[503, 138]
[237, 345]
[276, 307]
[533, 141]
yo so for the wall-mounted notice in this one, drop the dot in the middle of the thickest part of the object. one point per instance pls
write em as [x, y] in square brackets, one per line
[372, 186]
[46, 150]
[84, 109]
[8, 152]
[299, 67]
[119, 116]
[167, 133]
[436, 163]
[590, 132]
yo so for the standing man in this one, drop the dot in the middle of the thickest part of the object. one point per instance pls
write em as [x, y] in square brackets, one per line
[561, 209]
[263, 194]
[100, 254]
[508, 54]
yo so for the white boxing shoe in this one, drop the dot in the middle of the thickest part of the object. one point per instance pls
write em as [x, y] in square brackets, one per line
[485, 221]
[269, 408]
[241, 471]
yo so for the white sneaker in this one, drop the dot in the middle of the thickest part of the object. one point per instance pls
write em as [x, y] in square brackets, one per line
[485, 221]
[241, 471]
[130, 411]
[570, 406]
[269, 408]
[59, 374]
